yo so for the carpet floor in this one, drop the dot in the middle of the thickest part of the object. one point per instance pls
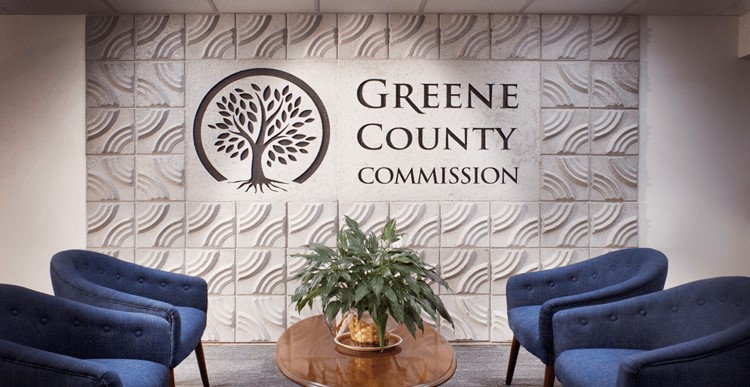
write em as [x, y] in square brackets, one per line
[254, 365]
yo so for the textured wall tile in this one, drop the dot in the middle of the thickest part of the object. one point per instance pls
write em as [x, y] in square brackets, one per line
[554, 258]
[110, 178]
[614, 85]
[363, 36]
[514, 224]
[565, 84]
[418, 222]
[311, 36]
[160, 84]
[598, 251]
[210, 36]
[465, 224]
[210, 225]
[565, 178]
[499, 329]
[160, 37]
[261, 225]
[221, 319]
[260, 318]
[217, 267]
[614, 225]
[464, 36]
[261, 36]
[505, 263]
[261, 271]
[312, 223]
[565, 131]
[110, 225]
[515, 37]
[160, 178]
[471, 317]
[466, 271]
[565, 37]
[109, 37]
[172, 260]
[125, 254]
[614, 178]
[565, 225]
[294, 264]
[110, 131]
[160, 225]
[110, 84]
[370, 216]
[160, 131]
[615, 37]
[614, 132]
[414, 36]
[294, 317]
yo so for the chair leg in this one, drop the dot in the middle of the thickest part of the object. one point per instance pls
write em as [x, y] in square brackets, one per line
[549, 376]
[514, 347]
[171, 377]
[202, 364]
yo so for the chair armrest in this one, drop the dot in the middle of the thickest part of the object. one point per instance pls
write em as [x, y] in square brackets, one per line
[26, 366]
[724, 353]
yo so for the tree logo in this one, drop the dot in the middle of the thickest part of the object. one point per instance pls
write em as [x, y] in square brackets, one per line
[263, 128]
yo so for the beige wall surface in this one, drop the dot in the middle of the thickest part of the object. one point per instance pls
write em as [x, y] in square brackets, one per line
[694, 188]
[42, 144]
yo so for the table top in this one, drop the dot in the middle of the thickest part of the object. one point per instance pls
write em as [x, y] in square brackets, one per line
[307, 354]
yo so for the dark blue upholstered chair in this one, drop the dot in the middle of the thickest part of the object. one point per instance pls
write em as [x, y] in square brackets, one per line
[100, 280]
[696, 334]
[51, 341]
[533, 298]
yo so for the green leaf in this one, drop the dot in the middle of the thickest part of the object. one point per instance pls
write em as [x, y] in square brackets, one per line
[389, 232]
[362, 290]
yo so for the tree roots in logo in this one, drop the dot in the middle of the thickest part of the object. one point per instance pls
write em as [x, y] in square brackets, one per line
[260, 184]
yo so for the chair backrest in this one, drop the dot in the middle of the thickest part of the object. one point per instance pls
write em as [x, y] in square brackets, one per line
[31, 318]
[696, 309]
[100, 269]
[613, 268]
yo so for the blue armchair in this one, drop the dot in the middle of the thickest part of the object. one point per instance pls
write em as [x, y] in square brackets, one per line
[534, 298]
[100, 280]
[696, 334]
[51, 341]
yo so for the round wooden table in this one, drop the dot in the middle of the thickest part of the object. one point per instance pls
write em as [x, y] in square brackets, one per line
[307, 354]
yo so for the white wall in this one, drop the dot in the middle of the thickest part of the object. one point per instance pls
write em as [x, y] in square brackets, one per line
[695, 138]
[42, 144]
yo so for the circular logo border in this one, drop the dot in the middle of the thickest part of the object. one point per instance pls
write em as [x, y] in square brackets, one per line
[198, 141]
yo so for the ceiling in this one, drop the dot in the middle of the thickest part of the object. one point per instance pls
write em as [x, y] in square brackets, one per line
[641, 7]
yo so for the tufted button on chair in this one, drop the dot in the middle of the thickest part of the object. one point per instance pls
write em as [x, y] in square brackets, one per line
[100, 280]
[51, 341]
[534, 298]
[696, 334]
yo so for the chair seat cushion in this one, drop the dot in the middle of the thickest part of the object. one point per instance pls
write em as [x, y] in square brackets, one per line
[193, 323]
[137, 373]
[524, 322]
[590, 367]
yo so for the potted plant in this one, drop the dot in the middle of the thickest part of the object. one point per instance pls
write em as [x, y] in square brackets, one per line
[367, 274]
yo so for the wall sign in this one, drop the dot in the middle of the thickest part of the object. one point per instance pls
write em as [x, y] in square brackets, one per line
[404, 130]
